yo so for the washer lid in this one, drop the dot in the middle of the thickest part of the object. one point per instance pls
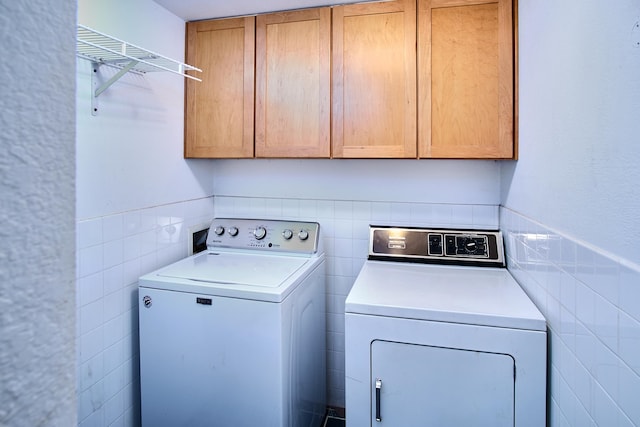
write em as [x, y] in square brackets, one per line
[235, 269]
[469, 295]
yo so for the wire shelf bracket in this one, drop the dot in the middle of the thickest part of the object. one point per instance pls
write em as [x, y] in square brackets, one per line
[102, 49]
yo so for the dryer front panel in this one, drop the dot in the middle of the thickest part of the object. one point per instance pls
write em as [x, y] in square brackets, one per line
[420, 385]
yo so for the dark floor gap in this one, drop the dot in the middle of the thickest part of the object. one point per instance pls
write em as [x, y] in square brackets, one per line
[332, 421]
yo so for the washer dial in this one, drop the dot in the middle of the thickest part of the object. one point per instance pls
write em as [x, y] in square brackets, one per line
[260, 232]
[287, 234]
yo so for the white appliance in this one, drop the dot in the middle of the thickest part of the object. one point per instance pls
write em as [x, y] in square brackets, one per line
[438, 333]
[235, 335]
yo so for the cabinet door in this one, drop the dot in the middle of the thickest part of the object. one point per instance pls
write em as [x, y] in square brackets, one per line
[293, 74]
[219, 110]
[374, 80]
[432, 386]
[465, 78]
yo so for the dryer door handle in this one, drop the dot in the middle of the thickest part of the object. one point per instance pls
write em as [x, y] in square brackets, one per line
[378, 389]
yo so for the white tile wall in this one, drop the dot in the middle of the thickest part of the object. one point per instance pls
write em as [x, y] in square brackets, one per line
[591, 301]
[345, 231]
[113, 251]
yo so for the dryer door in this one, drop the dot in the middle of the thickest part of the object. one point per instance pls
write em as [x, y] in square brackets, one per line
[417, 385]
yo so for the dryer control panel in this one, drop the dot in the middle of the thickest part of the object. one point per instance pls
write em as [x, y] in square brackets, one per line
[264, 234]
[439, 246]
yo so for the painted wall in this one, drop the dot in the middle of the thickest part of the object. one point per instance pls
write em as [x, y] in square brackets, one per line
[579, 127]
[136, 200]
[195, 10]
[571, 201]
[130, 154]
[37, 260]
[430, 181]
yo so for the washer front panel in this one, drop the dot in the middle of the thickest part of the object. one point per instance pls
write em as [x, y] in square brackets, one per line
[296, 237]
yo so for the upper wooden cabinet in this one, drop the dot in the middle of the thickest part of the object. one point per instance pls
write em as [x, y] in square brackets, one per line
[219, 110]
[391, 79]
[293, 75]
[374, 80]
[465, 79]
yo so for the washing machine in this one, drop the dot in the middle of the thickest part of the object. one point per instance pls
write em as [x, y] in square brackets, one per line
[438, 333]
[235, 335]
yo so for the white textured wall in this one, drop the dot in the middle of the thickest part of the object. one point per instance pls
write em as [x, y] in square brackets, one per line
[37, 293]
[579, 121]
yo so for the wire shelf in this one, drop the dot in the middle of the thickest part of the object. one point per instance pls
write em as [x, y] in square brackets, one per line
[103, 49]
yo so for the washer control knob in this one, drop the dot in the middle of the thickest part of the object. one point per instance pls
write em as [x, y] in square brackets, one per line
[219, 230]
[287, 234]
[303, 235]
[260, 232]
[233, 231]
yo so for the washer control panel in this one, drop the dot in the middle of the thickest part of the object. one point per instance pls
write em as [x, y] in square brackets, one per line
[440, 246]
[266, 234]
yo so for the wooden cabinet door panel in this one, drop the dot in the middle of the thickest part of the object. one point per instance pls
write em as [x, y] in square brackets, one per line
[374, 80]
[465, 105]
[293, 74]
[219, 110]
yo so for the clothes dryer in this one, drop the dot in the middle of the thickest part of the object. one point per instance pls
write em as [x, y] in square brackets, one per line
[438, 333]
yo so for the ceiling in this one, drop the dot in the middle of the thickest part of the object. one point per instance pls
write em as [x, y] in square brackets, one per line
[193, 10]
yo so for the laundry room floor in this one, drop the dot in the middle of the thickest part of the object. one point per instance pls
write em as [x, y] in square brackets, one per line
[333, 422]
